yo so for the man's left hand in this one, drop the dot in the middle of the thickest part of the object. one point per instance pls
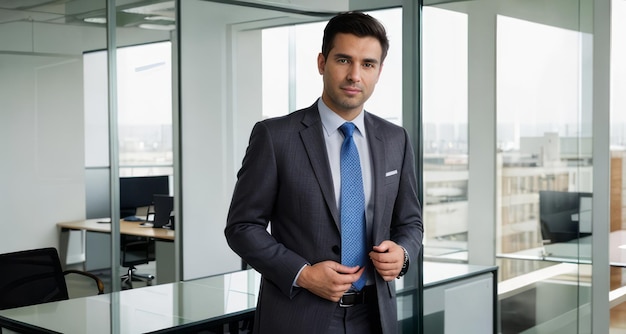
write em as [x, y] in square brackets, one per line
[388, 258]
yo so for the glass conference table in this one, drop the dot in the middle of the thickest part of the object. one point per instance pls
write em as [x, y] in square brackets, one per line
[208, 303]
[179, 307]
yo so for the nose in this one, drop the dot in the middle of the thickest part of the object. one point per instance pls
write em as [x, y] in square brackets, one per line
[354, 74]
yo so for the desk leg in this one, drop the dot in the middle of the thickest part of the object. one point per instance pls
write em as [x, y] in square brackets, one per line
[165, 261]
[71, 247]
[64, 239]
[98, 251]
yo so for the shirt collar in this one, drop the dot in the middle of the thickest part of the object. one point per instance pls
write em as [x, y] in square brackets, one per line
[331, 121]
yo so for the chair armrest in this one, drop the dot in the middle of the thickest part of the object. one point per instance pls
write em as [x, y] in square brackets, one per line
[90, 275]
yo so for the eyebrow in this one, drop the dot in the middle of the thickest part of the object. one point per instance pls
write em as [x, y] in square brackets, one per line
[366, 60]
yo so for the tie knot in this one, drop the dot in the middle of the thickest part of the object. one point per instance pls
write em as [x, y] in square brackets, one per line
[347, 129]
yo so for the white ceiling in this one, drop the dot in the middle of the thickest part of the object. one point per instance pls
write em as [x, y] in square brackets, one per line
[130, 12]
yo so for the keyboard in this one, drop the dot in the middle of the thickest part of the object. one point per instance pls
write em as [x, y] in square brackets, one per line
[133, 219]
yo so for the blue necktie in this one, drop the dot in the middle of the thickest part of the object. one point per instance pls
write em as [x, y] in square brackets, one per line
[353, 238]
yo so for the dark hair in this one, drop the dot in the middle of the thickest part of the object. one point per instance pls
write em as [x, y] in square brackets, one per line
[355, 23]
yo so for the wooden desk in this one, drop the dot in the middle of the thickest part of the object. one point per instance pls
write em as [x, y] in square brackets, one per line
[98, 244]
[127, 228]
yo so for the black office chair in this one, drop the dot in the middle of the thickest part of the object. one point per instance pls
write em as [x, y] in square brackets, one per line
[135, 252]
[35, 276]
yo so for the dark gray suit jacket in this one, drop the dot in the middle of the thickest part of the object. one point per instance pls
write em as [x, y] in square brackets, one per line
[285, 179]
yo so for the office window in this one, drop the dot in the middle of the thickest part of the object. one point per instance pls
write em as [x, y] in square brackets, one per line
[144, 81]
[618, 77]
[444, 110]
[544, 160]
[276, 67]
[618, 149]
[541, 138]
[145, 109]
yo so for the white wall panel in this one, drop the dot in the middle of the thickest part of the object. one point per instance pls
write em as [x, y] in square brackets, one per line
[42, 177]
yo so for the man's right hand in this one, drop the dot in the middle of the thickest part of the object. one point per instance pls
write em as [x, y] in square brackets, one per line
[328, 279]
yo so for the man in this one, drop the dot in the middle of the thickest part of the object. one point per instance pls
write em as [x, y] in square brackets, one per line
[305, 178]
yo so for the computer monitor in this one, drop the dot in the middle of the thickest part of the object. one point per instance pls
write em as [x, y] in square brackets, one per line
[138, 191]
[163, 206]
[564, 216]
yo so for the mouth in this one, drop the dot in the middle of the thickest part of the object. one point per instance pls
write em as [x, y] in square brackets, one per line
[350, 90]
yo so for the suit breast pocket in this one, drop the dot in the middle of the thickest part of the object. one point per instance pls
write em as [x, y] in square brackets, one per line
[392, 176]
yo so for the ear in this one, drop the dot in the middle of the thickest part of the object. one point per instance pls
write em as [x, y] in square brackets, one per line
[321, 63]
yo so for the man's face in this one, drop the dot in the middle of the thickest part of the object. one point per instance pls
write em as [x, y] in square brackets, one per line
[350, 73]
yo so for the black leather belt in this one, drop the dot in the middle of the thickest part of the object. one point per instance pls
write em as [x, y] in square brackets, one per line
[365, 296]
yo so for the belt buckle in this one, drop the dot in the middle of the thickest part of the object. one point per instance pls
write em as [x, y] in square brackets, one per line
[347, 294]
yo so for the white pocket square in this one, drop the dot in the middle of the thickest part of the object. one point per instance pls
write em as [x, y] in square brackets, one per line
[393, 172]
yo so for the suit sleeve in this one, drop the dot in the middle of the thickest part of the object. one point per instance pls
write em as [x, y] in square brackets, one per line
[250, 213]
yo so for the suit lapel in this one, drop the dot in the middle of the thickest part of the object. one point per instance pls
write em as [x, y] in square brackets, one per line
[377, 153]
[313, 140]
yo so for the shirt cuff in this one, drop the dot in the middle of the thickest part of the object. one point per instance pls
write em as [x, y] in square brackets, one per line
[295, 280]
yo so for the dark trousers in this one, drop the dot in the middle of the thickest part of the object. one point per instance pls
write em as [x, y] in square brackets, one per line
[357, 319]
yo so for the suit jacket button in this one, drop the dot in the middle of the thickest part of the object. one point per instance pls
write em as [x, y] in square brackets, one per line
[336, 250]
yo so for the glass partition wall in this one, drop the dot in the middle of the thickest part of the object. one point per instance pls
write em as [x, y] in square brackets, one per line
[144, 128]
[541, 122]
[618, 167]
[445, 133]
[131, 89]
[545, 167]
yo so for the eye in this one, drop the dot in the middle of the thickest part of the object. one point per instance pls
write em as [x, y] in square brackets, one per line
[369, 65]
[342, 61]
